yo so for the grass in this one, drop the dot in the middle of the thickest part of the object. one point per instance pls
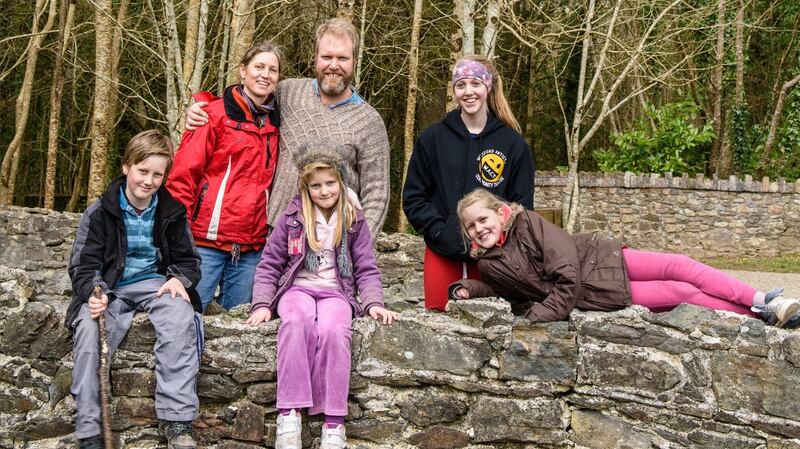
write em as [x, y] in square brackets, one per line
[789, 263]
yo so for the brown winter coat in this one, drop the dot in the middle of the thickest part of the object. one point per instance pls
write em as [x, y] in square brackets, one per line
[541, 262]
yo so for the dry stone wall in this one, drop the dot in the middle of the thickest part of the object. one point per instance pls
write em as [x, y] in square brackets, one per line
[477, 377]
[697, 216]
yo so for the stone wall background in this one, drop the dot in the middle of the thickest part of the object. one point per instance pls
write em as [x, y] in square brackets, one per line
[475, 378]
[702, 217]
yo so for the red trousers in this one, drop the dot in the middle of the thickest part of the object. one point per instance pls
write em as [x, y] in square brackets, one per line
[438, 273]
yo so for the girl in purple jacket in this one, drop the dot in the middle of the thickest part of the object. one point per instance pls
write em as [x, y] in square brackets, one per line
[318, 259]
[523, 257]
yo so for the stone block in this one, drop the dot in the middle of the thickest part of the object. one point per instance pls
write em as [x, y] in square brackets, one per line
[439, 437]
[536, 420]
[249, 423]
[755, 384]
[263, 393]
[432, 406]
[410, 345]
[595, 430]
[134, 382]
[646, 371]
[540, 352]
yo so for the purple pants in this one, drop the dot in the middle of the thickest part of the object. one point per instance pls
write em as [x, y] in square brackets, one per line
[314, 351]
[662, 281]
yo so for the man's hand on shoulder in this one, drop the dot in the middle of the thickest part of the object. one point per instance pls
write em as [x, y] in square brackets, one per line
[196, 116]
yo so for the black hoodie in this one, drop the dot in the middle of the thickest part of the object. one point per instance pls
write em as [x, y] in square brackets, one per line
[448, 162]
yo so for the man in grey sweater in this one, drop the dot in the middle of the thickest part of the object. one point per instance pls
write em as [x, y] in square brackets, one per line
[327, 109]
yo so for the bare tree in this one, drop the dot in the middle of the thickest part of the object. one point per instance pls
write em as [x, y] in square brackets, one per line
[619, 56]
[66, 16]
[104, 34]
[8, 171]
[489, 37]
[411, 105]
[345, 9]
[720, 153]
[243, 27]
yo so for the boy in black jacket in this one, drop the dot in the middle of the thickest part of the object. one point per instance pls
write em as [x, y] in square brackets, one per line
[134, 242]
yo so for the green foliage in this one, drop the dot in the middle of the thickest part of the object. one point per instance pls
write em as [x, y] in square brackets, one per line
[675, 144]
[741, 139]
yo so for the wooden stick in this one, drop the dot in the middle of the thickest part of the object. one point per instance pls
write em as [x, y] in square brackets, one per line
[105, 388]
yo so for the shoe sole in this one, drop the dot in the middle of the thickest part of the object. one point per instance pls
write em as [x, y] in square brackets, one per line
[787, 313]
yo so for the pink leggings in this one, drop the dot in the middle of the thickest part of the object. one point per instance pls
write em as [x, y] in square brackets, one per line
[662, 281]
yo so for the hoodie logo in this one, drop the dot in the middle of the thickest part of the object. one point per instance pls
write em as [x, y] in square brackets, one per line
[490, 168]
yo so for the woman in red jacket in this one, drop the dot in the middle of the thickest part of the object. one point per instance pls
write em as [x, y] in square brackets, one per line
[522, 257]
[223, 174]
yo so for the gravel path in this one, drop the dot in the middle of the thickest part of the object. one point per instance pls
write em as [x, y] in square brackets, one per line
[768, 281]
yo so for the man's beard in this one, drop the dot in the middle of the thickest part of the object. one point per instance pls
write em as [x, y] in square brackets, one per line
[333, 89]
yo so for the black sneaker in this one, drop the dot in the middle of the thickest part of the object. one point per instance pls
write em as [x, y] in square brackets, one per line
[95, 442]
[179, 434]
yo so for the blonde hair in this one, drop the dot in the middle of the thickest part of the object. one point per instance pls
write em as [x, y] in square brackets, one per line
[340, 28]
[344, 209]
[148, 143]
[481, 197]
[497, 100]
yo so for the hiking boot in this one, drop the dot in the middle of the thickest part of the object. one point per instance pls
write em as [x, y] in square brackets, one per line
[333, 437]
[288, 432]
[784, 308]
[179, 434]
[95, 442]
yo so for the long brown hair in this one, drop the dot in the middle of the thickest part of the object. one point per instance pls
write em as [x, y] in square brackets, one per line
[497, 100]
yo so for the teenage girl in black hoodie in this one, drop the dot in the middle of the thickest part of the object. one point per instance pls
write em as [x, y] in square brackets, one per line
[476, 145]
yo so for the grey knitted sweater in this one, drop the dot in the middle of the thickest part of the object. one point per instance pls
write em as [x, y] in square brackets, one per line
[359, 129]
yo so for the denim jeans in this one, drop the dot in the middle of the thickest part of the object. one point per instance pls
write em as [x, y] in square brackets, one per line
[234, 279]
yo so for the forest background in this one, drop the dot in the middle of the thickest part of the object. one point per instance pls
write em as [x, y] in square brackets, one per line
[682, 86]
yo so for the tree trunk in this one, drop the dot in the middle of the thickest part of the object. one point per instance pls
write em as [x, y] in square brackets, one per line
[345, 9]
[190, 40]
[22, 107]
[200, 56]
[222, 70]
[411, 105]
[362, 32]
[490, 28]
[174, 70]
[465, 14]
[531, 105]
[104, 30]
[243, 27]
[64, 26]
[739, 88]
[776, 120]
[717, 161]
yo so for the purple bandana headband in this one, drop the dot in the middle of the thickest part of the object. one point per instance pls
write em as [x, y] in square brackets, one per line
[468, 68]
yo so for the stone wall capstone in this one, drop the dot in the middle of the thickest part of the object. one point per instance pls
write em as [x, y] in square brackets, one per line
[698, 216]
[476, 377]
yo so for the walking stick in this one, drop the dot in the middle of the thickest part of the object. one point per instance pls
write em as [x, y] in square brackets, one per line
[105, 388]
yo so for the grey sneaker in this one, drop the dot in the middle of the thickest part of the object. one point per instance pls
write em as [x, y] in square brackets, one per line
[179, 434]
[95, 442]
[289, 432]
[333, 438]
[783, 308]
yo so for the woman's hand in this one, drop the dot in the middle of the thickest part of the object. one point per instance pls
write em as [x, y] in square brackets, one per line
[379, 313]
[175, 288]
[461, 293]
[196, 116]
[259, 316]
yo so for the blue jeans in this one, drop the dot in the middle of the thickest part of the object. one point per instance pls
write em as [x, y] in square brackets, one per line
[234, 279]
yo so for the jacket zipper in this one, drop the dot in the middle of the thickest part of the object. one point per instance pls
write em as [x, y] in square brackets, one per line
[199, 201]
[267, 165]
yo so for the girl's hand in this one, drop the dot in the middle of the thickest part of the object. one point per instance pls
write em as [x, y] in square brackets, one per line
[259, 316]
[196, 116]
[175, 288]
[461, 293]
[379, 312]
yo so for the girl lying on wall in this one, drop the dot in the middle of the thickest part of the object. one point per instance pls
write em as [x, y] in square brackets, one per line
[523, 257]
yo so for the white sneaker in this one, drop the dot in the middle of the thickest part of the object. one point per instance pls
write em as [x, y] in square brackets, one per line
[333, 438]
[784, 309]
[288, 433]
